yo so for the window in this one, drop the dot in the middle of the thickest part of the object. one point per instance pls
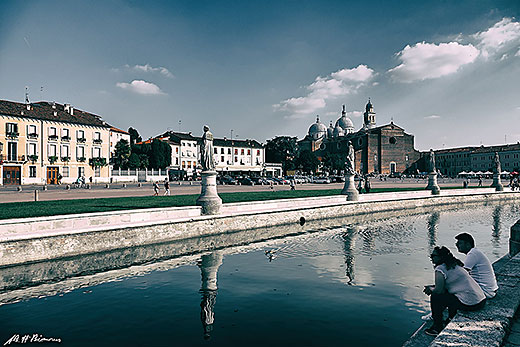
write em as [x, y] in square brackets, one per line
[222, 151]
[80, 135]
[96, 152]
[257, 152]
[65, 171]
[97, 135]
[97, 171]
[215, 151]
[176, 149]
[65, 132]
[80, 152]
[31, 131]
[31, 149]
[52, 150]
[52, 131]
[236, 159]
[248, 152]
[242, 151]
[229, 151]
[222, 158]
[176, 161]
[11, 128]
[81, 171]
[236, 151]
[32, 171]
[64, 150]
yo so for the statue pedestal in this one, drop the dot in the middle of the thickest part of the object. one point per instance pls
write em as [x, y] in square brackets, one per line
[497, 183]
[432, 183]
[349, 189]
[209, 199]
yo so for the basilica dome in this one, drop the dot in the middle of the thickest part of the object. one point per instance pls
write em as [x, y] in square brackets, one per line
[345, 123]
[318, 130]
[338, 131]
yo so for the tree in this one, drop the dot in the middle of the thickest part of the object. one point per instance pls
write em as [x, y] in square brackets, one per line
[134, 136]
[333, 162]
[307, 161]
[160, 155]
[282, 149]
[133, 161]
[121, 155]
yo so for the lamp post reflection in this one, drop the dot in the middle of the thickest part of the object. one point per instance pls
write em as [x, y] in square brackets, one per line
[209, 265]
[349, 243]
[433, 222]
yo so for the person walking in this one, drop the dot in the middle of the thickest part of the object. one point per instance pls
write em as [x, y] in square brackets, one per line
[367, 185]
[360, 185]
[155, 189]
[166, 187]
[293, 184]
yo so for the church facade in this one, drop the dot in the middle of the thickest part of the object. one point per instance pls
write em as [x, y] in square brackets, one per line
[385, 149]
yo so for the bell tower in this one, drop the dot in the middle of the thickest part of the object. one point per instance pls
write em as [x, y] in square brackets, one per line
[369, 117]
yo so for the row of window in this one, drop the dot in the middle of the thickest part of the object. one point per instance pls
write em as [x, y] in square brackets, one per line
[52, 150]
[242, 152]
[11, 129]
[65, 171]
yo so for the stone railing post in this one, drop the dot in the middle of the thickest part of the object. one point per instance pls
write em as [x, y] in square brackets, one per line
[514, 239]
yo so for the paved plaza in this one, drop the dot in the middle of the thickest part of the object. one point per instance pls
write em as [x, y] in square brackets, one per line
[53, 192]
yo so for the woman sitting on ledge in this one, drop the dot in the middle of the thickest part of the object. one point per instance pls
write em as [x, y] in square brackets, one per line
[454, 289]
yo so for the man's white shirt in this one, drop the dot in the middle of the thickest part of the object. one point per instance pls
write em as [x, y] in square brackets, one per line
[481, 270]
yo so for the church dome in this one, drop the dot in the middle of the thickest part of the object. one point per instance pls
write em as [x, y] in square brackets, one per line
[318, 130]
[338, 131]
[345, 123]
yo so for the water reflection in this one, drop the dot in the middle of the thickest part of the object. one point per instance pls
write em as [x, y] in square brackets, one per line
[349, 245]
[433, 223]
[497, 213]
[208, 265]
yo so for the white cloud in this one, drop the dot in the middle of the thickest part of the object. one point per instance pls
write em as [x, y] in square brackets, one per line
[141, 87]
[428, 60]
[148, 68]
[339, 83]
[361, 73]
[356, 114]
[517, 53]
[433, 116]
[498, 36]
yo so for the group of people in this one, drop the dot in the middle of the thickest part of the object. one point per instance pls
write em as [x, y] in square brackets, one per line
[514, 183]
[458, 285]
[156, 188]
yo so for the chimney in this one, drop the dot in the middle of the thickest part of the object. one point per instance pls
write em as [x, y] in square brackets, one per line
[66, 107]
[71, 111]
[28, 107]
[54, 104]
[55, 113]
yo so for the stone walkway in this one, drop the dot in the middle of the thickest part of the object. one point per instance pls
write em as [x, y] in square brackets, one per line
[513, 340]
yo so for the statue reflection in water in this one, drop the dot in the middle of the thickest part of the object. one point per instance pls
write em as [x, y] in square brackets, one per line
[349, 243]
[209, 264]
[497, 224]
[433, 222]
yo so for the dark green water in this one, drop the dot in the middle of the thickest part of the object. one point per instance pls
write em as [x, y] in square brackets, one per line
[356, 285]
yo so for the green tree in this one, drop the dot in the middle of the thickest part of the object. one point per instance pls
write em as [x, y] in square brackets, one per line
[134, 136]
[144, 162]
[121, 154]
[333, 162]
[160, 155]
[282, 149]
[307, 162]
[133, 161]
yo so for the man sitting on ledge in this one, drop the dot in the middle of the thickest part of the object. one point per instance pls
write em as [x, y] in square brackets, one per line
[477, 264]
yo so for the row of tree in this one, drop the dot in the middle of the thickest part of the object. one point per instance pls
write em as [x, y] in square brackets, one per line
[284, 149]
[136, 155]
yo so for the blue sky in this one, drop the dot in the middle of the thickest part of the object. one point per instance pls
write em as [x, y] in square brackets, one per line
[445, 71]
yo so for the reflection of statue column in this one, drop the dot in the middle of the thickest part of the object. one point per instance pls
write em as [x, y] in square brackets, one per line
[497, 171]
[432, 175]
[208, 264]
[349, 239]
[349, 189]
[496, 226]
[208, 199]
[433, 222]
[369, 241]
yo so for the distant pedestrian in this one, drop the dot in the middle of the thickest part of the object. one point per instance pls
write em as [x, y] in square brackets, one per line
[167, 187]
[155, 189]
[367, 185]
[480, 181]
[360, 185]
[293, 184]
[271, 185]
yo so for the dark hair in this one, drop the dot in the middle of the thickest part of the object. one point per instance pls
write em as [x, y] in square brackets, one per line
[447, 258]
[466, 237]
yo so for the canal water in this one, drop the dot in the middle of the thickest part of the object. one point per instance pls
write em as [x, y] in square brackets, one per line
[352, 284]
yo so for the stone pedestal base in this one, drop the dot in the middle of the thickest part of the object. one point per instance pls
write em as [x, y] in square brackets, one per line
[432, 183]
[349, 189]
[497, 183]
[514, 239]
[209, 199]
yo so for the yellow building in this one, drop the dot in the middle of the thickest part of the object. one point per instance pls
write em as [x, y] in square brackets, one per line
[44, 143]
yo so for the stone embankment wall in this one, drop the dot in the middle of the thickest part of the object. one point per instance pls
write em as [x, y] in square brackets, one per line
[39, 239]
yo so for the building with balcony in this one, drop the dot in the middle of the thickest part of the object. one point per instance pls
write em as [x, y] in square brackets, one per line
[41, 142]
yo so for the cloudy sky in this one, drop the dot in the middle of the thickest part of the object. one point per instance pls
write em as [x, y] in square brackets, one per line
[446, 71]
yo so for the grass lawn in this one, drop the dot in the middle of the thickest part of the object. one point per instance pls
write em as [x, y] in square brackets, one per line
[60, 207]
